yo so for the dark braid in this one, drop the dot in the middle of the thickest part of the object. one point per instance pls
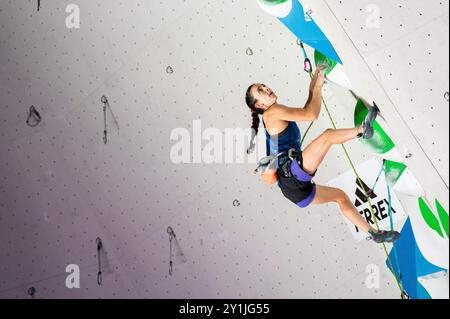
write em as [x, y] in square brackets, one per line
[251, 102]
[255, 122]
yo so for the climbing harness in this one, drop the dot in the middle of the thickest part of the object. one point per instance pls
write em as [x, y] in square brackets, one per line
[33, 114]
[99, 250]
[267, 161]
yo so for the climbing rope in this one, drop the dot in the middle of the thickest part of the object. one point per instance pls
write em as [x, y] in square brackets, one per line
[392, 229]
[360, 182]
[368, 197]
[390, 213]
[372, 190]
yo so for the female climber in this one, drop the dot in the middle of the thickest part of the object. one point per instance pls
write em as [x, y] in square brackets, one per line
[295, 168]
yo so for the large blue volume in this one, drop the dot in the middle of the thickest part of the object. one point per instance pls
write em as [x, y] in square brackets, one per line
[307, 31]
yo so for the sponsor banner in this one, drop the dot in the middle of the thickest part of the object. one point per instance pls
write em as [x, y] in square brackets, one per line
[379, 198]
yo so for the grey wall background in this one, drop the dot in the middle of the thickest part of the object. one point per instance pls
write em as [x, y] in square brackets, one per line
[61, 187]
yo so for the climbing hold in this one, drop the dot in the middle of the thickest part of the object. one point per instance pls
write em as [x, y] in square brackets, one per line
[321, 59]
[169, 70]
[380, 143]
[34, 118]
[277, 8]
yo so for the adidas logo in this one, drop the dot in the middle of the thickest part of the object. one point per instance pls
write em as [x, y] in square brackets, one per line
[380, 205]
[360, 196]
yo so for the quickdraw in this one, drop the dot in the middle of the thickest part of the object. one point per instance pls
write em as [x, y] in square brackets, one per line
[99, 250]
[105, 130]
[106, 105]
[172, 236]
[307, 65]
[371, 191]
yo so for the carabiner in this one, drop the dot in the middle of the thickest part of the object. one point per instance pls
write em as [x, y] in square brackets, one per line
[307, 65]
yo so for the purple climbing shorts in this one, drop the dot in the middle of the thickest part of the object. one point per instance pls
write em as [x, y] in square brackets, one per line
[296, 185]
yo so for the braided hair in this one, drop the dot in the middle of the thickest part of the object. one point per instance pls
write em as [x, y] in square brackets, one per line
[251, 102]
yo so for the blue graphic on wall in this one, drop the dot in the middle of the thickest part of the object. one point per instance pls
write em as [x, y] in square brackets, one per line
[307, 30]
[412, 263]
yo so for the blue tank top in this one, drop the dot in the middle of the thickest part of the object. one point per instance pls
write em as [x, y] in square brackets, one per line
[283, 142]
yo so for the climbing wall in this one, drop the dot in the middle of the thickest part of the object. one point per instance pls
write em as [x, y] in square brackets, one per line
[163, 68]
[407, 55]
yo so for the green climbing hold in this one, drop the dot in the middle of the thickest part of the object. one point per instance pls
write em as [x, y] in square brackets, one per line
[272, 2]
[443, 216]
[393, 171]
[320, 58]
[380, 143]
[429, 217]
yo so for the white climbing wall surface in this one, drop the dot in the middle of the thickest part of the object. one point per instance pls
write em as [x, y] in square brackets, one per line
[162, 66]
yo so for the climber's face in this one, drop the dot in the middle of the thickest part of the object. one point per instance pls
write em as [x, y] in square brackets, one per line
[264, 96]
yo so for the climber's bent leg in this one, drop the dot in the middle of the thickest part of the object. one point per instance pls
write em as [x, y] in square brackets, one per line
[314, 153]
[326, 195]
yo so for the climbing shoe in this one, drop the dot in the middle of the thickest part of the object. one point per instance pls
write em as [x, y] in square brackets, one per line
[384, 236]
[368, 131]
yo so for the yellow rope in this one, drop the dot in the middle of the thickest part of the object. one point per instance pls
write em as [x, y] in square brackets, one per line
[368, 197]
[402, 291]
